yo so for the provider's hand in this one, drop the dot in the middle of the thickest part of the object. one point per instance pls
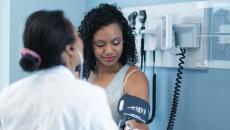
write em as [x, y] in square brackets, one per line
[134, 125]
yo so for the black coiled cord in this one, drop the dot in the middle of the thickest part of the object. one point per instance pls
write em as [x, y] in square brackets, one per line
[176, 90]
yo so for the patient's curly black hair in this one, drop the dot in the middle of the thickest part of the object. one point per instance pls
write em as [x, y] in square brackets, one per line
[95, 19]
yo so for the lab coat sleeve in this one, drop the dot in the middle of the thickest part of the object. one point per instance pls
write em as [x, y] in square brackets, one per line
[102, 118]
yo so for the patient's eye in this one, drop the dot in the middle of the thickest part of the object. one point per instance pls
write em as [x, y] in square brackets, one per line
[99, 43]
[116, 41]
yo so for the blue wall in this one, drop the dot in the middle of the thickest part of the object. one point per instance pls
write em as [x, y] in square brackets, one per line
[4, 42]
[19, 11]
[128, 3]
[204, 102]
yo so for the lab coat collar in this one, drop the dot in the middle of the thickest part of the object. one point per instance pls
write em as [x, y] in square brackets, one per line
[58, 70]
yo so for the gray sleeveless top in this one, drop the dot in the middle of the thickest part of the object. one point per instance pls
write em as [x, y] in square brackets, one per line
[115, 91]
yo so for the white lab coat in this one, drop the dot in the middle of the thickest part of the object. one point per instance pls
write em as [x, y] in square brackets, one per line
[54, 99]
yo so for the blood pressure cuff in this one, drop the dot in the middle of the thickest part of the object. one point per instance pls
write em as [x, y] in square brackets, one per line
[132, 107]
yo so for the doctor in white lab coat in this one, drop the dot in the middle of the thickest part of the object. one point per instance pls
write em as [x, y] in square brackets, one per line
[52, 98]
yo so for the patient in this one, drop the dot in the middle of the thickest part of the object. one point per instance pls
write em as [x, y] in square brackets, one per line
[110, 56]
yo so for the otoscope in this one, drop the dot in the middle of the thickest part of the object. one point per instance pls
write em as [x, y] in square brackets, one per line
[132, 19]
[142, 18]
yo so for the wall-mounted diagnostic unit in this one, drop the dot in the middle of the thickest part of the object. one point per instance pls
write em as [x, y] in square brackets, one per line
[193, 35]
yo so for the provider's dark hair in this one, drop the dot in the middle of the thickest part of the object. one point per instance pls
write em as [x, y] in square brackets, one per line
[46, 33]
[95, 19]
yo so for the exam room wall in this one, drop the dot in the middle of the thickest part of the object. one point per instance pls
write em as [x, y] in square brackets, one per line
[19, 11]
[204, 102]
[4, 42]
